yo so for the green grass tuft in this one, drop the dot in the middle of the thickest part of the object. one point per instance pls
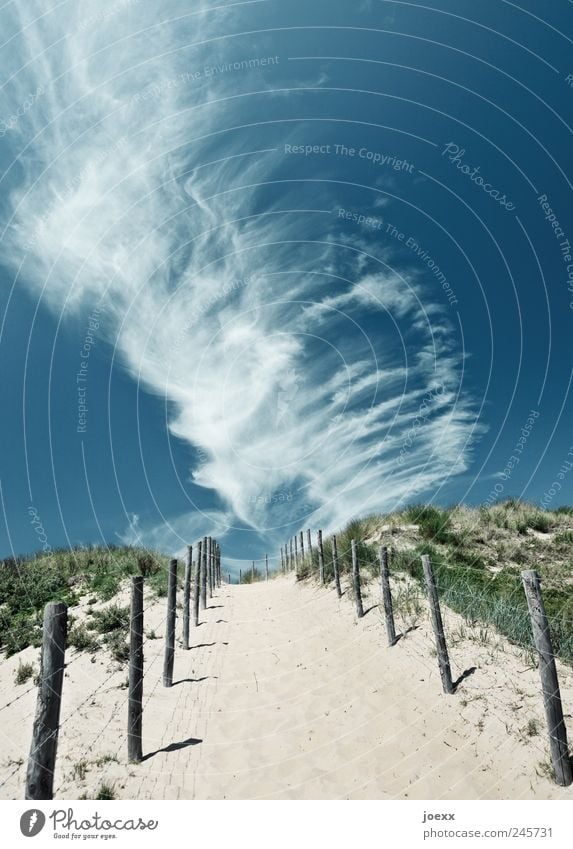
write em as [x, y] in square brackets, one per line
[24, 672]
[28, 584]
[106, 791]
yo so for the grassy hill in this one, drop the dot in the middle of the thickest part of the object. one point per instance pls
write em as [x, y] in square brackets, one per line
[478, 555]
[27, 584]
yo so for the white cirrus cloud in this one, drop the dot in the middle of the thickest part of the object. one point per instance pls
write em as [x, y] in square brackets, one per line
[291, 362]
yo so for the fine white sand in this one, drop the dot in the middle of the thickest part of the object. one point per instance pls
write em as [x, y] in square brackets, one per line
[286, 695]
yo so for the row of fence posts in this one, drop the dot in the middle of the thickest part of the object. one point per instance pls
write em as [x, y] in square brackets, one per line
[560, 757]
[206, 577]
[254, 571]
[293, 552]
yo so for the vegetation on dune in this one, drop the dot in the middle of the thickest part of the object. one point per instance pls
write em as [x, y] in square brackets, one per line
[27, 584]
[478, 555]
[251, 576]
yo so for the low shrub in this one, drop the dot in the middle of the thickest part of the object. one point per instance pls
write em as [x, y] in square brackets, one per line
[24, 672]
[434, 524]
[81, 639]
[110, 619]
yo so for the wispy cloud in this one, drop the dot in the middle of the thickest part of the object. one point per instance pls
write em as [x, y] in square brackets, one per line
[288, 361]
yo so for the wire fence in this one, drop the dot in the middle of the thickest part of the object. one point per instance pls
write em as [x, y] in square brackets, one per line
[409, 589]
[47, 722]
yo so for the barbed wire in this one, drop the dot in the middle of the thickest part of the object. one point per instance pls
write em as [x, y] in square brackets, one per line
[120, 704]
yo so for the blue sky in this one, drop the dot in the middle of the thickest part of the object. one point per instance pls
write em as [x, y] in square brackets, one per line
[271, 266]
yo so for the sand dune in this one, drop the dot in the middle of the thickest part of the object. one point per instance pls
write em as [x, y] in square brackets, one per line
[285, 695]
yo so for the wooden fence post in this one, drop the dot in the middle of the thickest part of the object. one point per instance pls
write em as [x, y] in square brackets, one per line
[291, 555]
[253, 572]
[282, 560]
[387, 596]
[42, 758]
[266, 567]
[197, 586]
[204, 574]
[240, 576]
[301, 547]
[320, 558]
[210, 565]
[309, 541]
[549, 681]
[187, 596]
[438, 626]
[219, 577]
[296, 552]
[135, 706]
[170, 625]
[229, 581]
[356, 581]
[335, 567]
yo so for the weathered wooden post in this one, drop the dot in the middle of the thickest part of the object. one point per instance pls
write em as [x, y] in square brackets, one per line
[170, 625]
[438, 626]
[301, 547]
[197, 585]
[295, 552]
[229, 577]
[204, 574]
[309, 542]
[291, 555]
[320, 558]
[253, 572]
[240, 576]
[356, 581]
[266, 567]
[282, 560]
[335, 567]
[135, 705]
[219, 576]
[560, 757]
[187, 596]
[210, 565]
[42, 758]
[387, 596]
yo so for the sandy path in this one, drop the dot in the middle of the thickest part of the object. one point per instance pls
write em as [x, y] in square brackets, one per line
[286, 695]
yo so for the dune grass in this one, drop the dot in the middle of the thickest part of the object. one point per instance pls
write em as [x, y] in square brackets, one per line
[477, 555]
[27, 584]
